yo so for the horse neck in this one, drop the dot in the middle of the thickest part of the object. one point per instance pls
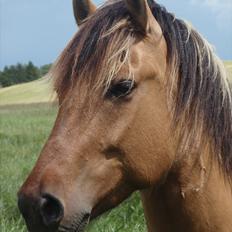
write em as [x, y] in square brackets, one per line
[195, 197]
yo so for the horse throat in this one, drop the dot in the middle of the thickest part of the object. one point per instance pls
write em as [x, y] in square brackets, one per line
[195, 197]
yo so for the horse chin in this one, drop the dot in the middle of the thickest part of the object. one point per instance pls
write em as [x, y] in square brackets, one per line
[79, 222]
[76, 224]
[99, 210]
[102, 208]
[110, 201]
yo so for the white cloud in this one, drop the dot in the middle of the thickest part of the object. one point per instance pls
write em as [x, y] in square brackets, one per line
[221, 8]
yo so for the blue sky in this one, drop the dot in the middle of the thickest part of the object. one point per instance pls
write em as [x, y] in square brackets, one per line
[38, 30]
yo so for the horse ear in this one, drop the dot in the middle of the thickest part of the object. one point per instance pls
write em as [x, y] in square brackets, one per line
[83, 9]
[142, 15]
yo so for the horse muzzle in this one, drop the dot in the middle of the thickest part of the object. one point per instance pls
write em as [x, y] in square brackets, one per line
[43, 213]
[46, 214]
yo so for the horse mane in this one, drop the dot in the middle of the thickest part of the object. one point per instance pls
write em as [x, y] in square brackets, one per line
[202, 100]
[200, 94]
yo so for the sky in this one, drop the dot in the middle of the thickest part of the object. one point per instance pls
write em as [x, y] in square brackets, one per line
[38, 30]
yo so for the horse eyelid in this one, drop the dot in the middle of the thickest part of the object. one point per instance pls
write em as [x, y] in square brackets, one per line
[116, 89]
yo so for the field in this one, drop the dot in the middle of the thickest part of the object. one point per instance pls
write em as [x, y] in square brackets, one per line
[23, 130]
[32, 92]
[228, 65]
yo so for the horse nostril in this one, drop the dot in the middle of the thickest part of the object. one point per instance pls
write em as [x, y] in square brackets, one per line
[24, 205]
[51, 210]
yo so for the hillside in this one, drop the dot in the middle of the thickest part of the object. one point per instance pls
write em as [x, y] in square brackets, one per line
[31, 92]
[229, 67]
[41, 91]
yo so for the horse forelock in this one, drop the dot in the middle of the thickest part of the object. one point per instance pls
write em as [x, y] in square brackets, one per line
[201, 106]
[98, 50]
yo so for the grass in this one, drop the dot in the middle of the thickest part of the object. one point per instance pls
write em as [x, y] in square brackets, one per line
[32, 92]
[23, 131]
[228, 65]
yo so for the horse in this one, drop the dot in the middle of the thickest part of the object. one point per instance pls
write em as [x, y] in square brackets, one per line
[144, 105]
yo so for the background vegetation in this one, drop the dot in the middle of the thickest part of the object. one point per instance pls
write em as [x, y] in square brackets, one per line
[32, 92]
[21, 73]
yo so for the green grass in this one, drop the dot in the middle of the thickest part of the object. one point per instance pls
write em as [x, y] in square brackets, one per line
[23, 131]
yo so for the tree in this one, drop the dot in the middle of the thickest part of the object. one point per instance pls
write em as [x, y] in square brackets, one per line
[19, 73]
[32, 72]
[45, 69]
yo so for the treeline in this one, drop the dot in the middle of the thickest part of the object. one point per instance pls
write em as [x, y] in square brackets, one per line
[21, 73]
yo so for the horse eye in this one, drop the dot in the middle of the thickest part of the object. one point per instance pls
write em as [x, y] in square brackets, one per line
[121, 89]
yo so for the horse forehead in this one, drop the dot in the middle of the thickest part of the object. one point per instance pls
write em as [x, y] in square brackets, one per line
[148, 58]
